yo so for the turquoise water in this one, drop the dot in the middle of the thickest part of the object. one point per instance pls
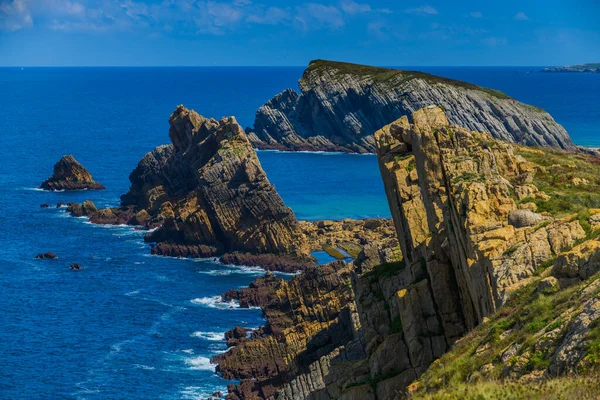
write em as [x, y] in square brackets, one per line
[130, 325]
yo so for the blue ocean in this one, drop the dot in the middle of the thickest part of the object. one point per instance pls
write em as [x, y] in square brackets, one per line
[130, 325]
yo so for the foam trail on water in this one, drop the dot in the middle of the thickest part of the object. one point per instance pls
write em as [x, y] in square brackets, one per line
[211, 336]
[231, 270]
[215, 302]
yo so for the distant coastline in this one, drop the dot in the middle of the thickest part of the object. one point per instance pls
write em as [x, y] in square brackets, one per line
[588, 68]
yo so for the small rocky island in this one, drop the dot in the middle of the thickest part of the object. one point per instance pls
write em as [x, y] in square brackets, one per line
[69, 174]
[589, 68]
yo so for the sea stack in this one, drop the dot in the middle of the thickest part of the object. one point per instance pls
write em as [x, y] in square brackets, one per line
[69, 174]
[210, 195]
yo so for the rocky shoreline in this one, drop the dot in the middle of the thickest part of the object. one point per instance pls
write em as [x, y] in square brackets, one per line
[464, 207]
[206, 195]
[483, 229]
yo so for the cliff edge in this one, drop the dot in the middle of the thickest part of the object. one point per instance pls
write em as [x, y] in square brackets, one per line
[497, 278]
[341, 105]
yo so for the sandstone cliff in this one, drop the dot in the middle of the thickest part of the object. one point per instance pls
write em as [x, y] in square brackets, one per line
[69, 174]
[498, 277]
[341, 105]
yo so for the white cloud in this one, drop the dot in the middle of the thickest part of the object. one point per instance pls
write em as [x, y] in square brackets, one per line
[476, 14]
[316, 16]
[224, 14]
[521, 16]
[181, 17]
[14, 15]
[377, 29]
[423, 10]
[352, 7]
[270, 16]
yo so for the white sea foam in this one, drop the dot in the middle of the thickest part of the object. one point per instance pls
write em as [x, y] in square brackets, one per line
[36, 189]
[234, 270]
[215, 302]
[211, 336]
[200, 363]
[196, 393]
[141, 366]
[324, 153]
[188, 351]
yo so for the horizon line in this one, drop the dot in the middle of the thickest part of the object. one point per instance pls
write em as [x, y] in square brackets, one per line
[266, 66]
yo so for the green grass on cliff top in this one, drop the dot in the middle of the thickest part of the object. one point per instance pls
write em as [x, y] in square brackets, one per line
[395, 76]
[556, 178]
[526, 317]
[564, 388]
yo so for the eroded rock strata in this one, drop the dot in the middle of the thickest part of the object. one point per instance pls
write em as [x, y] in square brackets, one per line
[69, 174]
[474, 249]
[207, 195]
[341, 105]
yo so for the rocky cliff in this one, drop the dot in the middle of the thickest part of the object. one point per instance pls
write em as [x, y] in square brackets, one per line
[207, 195]
[69, 174]
[496, 277]
[340, 106]
[211, 193]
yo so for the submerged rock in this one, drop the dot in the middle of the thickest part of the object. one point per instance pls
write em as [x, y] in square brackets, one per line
[341, 105]
[49, 255]
[69, 174]
[75, 267]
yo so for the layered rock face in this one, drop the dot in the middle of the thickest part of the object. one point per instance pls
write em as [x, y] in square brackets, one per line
[310, 319]
[340, 106]
[69, 174]
[210, 195]
[465, 210]
[453, 194]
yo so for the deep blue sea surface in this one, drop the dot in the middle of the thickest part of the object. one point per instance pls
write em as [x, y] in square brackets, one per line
[131, 325]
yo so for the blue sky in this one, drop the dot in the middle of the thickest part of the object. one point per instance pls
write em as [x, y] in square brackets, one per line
[267, 32]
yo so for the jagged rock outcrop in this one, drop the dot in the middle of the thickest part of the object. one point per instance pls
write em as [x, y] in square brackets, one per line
[450, 192]
[69, 174]
[469, 252]
[348, 235]
[341, 105]
[207, 195]
[211, 193]
[308, 318]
